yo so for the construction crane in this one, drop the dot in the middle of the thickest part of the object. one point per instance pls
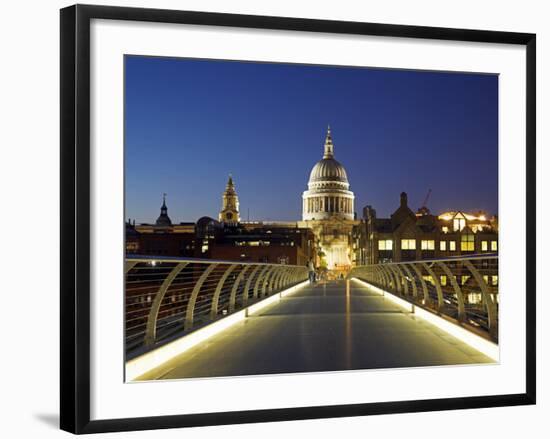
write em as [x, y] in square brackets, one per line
[425, 203]
[423, 210]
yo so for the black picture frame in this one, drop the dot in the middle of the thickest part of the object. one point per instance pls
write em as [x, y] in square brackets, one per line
[75, 217]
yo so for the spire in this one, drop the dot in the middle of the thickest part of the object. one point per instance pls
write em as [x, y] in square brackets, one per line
[163, 208]
[329, 147]
[163, 219]
[230, 186]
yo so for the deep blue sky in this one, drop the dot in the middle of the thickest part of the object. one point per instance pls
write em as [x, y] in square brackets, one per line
[189, 123]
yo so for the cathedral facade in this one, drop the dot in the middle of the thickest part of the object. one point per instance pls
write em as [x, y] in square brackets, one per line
[328, 209]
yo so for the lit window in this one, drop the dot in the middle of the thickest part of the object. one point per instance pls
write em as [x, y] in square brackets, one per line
[464, 279]
[467, 243]
[494, 280]
[484, 246]
[427, 244]
[452, 246]
[445, 229]
[494, 246]
[459, 223]
[486, 279]
[132, 247]
[443, 280]
[443, 246]
[474, 298]
[408, 244]
[428, 279]
[385, 244]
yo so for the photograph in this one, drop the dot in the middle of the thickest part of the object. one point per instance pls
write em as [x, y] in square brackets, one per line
[270, 219]
[288, 218]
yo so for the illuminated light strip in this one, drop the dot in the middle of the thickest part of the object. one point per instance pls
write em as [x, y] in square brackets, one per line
[275, 298]
[479, 343]
[155, 358]
[402, 303]
[293, 289]
[397, 300]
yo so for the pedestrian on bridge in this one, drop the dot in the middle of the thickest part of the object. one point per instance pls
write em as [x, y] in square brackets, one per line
[311, 268]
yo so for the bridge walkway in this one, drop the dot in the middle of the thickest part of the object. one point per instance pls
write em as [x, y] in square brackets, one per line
[328, 326]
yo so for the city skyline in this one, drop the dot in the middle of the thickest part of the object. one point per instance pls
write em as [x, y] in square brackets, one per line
[191, 123]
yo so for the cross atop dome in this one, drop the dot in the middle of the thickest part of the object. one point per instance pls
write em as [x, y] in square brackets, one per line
[329, 147]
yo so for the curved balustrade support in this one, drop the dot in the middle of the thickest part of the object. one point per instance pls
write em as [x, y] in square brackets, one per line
[151, 325]
[437, 284]
[378, 275]
[128, 265]
[398, 267]
[288, 276]
[259, 280]
[426, 296]
[216, 296]
[277, 279]
[190, 312]
[389, 280]
[456, 289]
[247, 285]
[382, 276]
[411, 276]
[397, 278]
[282, 278]
[235, 288]
[281, 281]
[487, 299]
[268, 282]
[295, 276]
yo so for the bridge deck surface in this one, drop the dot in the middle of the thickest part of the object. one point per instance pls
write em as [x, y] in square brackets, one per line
[328, 326]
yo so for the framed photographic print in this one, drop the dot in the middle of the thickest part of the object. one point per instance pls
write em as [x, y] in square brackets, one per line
[268, 218]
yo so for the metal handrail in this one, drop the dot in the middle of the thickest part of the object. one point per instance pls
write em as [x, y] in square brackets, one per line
[168, 296]
[438, 285]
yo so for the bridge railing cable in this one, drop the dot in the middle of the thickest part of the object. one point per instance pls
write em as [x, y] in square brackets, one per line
[169, 297]
[463, 289]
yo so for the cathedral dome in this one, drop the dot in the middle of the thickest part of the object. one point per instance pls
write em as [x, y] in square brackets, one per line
[328, 208]
[328, 195]
[326, 170]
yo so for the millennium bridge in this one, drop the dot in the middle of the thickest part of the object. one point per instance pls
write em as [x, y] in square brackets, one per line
[189, 318]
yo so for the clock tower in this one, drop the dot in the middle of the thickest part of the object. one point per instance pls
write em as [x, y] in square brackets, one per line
[230, 206]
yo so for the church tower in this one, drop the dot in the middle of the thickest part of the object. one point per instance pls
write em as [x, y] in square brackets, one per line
[230, 207]
[163, 220]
